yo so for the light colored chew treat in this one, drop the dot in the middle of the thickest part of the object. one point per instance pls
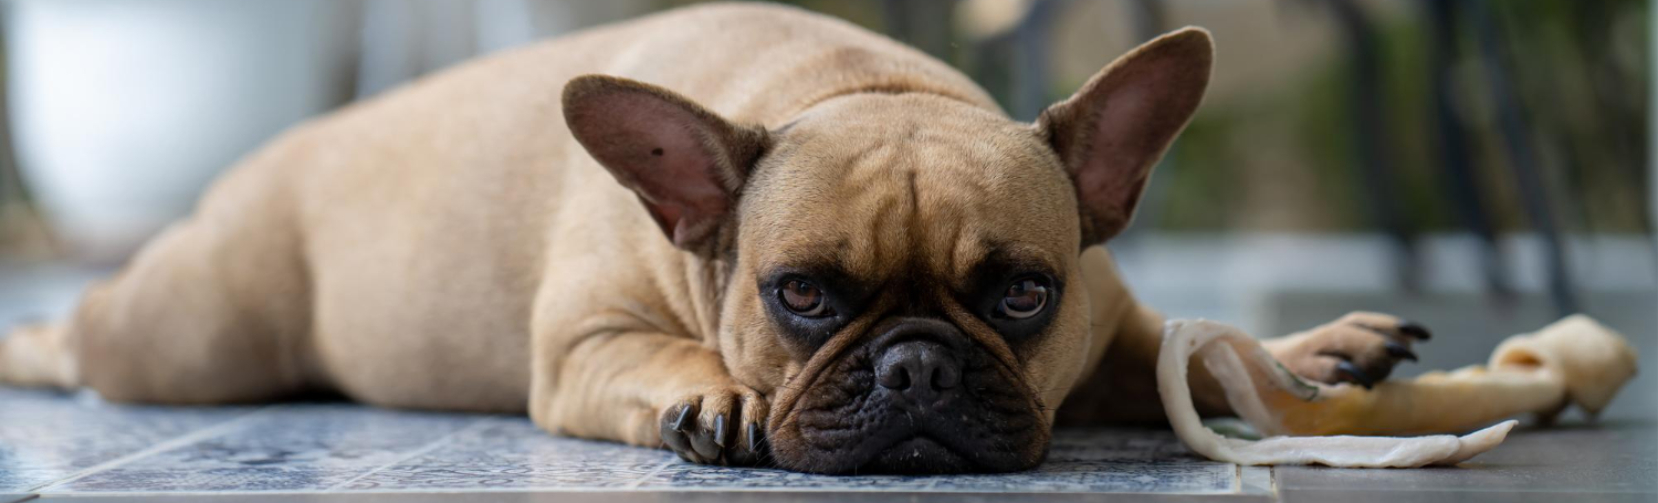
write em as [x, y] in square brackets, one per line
[1591, 361]
[1573, 361]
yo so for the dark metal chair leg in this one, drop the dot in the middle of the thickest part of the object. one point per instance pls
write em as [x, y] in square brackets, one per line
[1450, 142]
[1032, 40]
[924, 24]
[1370, 128]
[1522, 160]
[1150, 19]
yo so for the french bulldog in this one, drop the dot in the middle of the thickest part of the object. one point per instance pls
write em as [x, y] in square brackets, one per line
[750, 234]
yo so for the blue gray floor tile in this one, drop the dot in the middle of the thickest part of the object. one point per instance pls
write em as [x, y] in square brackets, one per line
[46, 437]
[64, 446]
[61, 446]
[284, 448]
[501, 453]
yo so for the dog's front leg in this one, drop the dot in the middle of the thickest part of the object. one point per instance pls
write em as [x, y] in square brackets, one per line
[1360, 348]
[648, 389]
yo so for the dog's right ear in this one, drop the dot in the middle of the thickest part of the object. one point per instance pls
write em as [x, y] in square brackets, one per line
[1112, 131]
[685, 163]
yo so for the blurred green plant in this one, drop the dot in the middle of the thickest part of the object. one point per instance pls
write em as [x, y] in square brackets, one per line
[1581, 73]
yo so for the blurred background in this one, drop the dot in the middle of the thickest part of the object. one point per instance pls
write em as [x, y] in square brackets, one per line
[1484, 167]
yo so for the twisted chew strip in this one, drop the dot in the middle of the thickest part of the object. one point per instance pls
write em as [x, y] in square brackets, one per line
[1573, 361]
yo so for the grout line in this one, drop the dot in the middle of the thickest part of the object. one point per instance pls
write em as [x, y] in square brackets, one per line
[167, 445]
[1237, 479]
[932, 485]
[434, 445]
[1272, 483]
[642, 478]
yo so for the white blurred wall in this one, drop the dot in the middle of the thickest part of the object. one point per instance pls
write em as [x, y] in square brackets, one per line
[123, 110]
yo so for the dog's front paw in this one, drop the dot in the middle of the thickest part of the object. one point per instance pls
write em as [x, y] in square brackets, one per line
[721, 427]
[1360, 348]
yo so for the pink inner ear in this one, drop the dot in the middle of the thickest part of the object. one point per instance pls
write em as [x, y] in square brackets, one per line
[655, 147]
[1126, 120]
[1118, 162]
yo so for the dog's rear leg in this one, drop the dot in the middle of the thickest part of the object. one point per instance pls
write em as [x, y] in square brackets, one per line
[193, 319]
[38, 355]
[213, 310]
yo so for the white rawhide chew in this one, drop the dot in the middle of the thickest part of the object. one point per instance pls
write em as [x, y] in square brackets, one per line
[1573, 361]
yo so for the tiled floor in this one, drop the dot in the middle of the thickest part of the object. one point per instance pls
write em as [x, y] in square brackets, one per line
[58, 446]
[62, 446]
[74, 447]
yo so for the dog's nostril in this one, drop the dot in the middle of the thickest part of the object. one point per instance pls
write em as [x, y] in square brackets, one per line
[893, 372]
[895, 378]
[917, 367]
[946, 376]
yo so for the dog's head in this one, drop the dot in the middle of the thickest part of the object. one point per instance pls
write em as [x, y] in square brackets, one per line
[903, 279]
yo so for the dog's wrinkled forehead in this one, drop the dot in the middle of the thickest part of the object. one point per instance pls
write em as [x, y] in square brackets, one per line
[871, 181]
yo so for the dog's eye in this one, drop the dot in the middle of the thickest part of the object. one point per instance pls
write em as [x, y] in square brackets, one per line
[1024, 298]
[802, 298]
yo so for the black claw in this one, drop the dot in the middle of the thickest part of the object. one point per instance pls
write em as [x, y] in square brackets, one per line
[1416, 330]
[684, 419]
[1398, 350]
[1372, 328]
[1353, 372]
[754, 436]
[719, 430]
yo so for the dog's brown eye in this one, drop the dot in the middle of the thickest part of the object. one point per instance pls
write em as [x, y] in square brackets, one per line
[802, 298]
[1024, 298]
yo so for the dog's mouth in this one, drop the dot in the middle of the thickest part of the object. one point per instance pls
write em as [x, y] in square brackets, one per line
[855, 418]
[901, 448]
[921, 454]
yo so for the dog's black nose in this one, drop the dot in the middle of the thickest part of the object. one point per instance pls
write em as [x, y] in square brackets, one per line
[918, 370]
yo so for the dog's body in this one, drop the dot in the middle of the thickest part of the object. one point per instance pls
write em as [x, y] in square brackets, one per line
[455, 245]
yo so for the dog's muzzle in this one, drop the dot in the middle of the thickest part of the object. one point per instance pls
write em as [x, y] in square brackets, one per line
[920, 397]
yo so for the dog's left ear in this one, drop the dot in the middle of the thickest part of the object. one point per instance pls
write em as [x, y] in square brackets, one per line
[685, 163]
[1112, 131]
